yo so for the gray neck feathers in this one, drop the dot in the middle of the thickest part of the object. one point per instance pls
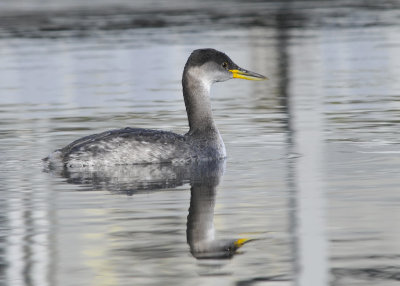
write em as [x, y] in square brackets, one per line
[196, 92]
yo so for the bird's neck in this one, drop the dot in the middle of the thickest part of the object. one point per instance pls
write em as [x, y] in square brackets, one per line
[196, 92]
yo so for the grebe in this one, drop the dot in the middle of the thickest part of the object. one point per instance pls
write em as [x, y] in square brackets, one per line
[142, 146]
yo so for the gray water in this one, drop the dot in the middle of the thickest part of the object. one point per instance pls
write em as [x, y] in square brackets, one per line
[312, 174]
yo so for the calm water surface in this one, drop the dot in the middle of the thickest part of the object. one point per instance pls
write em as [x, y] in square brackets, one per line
[312, 174]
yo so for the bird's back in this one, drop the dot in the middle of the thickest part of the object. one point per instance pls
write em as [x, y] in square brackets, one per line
[124, 146]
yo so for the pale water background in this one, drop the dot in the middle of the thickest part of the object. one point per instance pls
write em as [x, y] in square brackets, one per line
[313, 154]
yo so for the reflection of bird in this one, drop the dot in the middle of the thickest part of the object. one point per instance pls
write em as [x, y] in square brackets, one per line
[134, 146]
[134, 179]
[203, 176]
[200, 224]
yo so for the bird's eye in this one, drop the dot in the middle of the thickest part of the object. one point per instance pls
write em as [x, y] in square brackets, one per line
[225, 65]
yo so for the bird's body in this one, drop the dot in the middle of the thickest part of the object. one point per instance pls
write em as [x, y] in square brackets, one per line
[143, 146]
[139, 146]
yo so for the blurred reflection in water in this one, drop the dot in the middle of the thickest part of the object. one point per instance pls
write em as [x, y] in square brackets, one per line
[200, 225]
[203, 177]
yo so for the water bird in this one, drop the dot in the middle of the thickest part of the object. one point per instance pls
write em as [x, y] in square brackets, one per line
[203, 141]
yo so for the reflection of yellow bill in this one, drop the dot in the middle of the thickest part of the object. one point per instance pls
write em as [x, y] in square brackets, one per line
[247, 75]
[239, 243]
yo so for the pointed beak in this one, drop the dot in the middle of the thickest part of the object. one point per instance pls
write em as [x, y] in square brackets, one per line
[241, 241]
[245, 74]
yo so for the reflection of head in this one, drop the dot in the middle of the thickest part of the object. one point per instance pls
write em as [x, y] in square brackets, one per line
[200, 224]
[221, 249]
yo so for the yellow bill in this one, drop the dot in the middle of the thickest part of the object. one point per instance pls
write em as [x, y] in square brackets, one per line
[244, 74]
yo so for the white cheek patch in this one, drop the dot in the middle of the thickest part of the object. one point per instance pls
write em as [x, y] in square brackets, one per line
[201, 76]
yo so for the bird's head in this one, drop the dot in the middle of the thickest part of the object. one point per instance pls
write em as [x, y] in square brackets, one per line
[214, 66]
